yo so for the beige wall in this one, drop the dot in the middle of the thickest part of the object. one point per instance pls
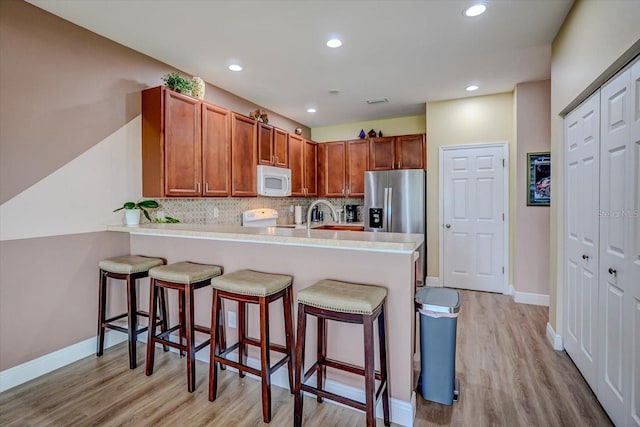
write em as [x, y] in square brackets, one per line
[531, 261]
[389, 127]
[69, 154]
[593, 36]
[465, 121]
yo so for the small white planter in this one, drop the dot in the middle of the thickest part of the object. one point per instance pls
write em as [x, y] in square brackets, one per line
[131, 217]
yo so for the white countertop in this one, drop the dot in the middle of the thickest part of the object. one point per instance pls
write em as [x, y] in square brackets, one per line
[350, 240]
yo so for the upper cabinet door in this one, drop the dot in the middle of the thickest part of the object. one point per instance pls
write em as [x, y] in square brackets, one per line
[410, 152]
[310, 168]
[382, 153]
[183, 156]
[216, 151]
[332, 166]
[296, 164]
[357, 163]
[265, 144]
[280, 148]
[243, 156]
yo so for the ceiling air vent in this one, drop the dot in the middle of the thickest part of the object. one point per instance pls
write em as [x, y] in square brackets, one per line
[377, 100]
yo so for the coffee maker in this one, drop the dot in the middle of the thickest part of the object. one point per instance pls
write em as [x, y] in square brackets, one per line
[351, 213]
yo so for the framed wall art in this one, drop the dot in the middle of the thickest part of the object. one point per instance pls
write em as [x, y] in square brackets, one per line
[539, 179]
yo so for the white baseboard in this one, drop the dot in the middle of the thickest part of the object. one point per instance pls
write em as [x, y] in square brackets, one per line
[402, 413]
[433, 282]
[27, 371]
[554, 339]
[528, 298]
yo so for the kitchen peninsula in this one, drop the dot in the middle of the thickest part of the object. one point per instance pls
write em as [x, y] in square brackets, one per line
[384, 259]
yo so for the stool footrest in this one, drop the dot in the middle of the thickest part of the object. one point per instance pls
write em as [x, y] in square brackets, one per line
[335, 397]
[118, 317]
[222, 359]
[347, 367]
[273, 347]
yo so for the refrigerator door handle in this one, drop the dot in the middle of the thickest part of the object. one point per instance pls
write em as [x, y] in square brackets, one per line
[389, 203]
[385, 211]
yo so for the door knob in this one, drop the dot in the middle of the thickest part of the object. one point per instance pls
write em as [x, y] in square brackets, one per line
[447, 225]
[613, 271]
[585, 256]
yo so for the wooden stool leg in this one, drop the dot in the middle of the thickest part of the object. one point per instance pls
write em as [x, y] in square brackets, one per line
[369, 373]
[214, 345]
[222, 335]
[384, 367]
[164, 320]
[181, 330]
[321, 355]
[242, 333]
[151, 343]
[190, 344]
[288, 328]
[299, 365]
[102, 310]
[265, 369]
[132, 314]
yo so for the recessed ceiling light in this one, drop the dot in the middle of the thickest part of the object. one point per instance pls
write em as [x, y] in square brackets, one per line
[377, 100]
[334, 91]
[476, 9]
[471, 88]
[311, 110]
[334, 43]
[235, 67]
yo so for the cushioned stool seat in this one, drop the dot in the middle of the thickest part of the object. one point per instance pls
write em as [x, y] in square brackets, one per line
[351, 303]
[247, 286]
[184, 277]
[128, 268]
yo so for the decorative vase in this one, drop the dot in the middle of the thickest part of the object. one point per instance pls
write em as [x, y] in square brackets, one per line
[198, 87]
[362, 134]
[131, 217]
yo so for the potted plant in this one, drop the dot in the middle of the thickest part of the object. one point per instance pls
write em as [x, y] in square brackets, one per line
[132, 210]
[175, 81]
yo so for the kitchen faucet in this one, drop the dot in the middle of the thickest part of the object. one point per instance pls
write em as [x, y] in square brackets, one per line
[334, 214]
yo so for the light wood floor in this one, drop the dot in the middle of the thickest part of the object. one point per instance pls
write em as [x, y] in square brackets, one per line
[509, 376]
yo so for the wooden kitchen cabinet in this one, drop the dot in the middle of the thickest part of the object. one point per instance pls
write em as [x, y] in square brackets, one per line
[410, 152]
[244, 156]
[303, 165]
[310, 149]
[185, 146]
[331, 164]
[216, 151]
[341, 168]
[357, 162]
[171, 144]
[397, 152]
[272, 146]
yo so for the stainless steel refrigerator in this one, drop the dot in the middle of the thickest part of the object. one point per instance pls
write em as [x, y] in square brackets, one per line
[394, 201]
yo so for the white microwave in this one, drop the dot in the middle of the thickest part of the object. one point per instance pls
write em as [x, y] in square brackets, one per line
[274, 182]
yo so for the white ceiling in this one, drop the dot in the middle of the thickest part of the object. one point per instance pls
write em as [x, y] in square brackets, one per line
[410, 51]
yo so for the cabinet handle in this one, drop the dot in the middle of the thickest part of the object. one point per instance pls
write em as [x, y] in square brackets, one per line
[585, 256]
[197, 187]
[613, 271]
[206, 187]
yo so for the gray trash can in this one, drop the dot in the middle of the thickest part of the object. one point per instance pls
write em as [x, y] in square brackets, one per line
[438, 308]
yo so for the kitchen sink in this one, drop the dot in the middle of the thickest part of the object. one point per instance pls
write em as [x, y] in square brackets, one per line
[340, 227]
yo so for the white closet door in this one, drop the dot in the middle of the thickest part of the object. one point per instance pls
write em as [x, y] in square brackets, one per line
[619, 280]
[582, 142]
[632, 316]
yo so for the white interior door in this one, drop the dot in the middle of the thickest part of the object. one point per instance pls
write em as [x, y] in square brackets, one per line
[473, 212]
[620, 248]
[633, 262]
[582, 142]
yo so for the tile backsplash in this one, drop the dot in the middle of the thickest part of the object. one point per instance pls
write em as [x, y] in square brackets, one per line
[229, 210]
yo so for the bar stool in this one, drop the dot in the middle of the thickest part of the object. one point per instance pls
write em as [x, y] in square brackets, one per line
[351, 303]
[128, 268]
[247, 286]
[184, 277]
